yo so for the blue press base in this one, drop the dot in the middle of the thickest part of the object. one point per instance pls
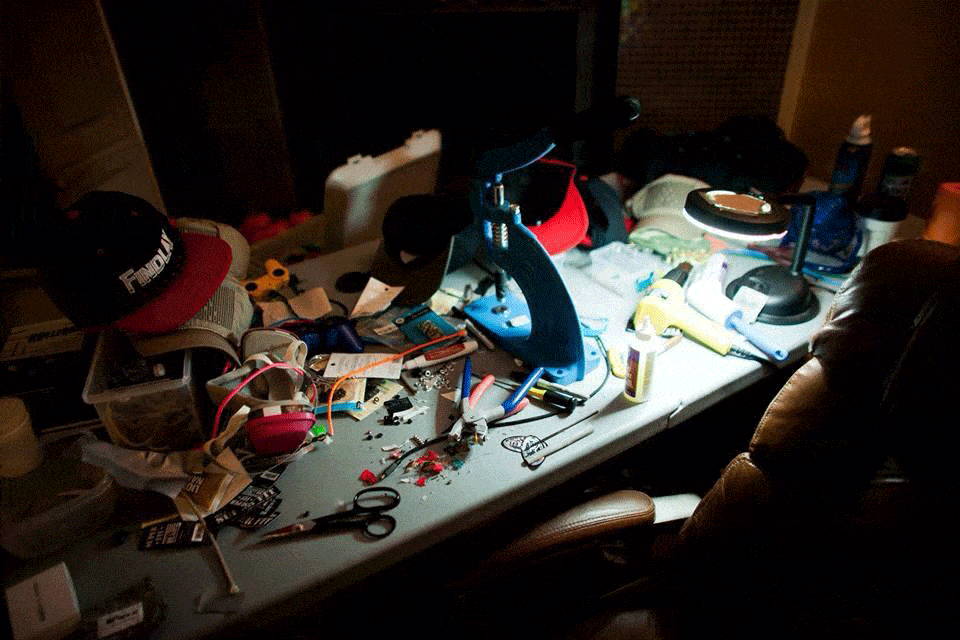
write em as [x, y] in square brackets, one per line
[546, 354]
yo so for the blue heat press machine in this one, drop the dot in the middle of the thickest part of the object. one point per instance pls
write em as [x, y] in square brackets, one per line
[541, 328]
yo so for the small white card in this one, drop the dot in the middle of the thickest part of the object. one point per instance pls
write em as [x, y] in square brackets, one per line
[751, 302]
[342, 363]
[376, 297]
[117, 621]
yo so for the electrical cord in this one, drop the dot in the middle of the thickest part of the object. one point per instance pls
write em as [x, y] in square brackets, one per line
[346, 312]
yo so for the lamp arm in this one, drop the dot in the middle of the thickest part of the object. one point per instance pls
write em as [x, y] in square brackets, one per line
[809, 204]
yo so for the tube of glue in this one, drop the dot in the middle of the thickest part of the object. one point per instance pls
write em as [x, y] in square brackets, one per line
[442, 354]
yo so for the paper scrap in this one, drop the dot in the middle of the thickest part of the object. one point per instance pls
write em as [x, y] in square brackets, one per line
[376, 297]
[442, 302]
[275, 313]
[312, 304]
[342, 363]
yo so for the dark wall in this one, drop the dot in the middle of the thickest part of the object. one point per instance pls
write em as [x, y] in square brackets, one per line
[199, 75]
[249, 105]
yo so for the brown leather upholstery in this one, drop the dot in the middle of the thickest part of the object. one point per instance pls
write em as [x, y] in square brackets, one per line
[833, 523]
[597, 517]
[826, 519]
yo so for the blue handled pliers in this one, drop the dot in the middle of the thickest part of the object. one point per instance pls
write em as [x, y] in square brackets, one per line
[476, 420]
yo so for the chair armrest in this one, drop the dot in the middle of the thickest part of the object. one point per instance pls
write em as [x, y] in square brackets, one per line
[600, 516]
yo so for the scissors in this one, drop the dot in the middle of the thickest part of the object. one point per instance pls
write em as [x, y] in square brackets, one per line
[367, 515]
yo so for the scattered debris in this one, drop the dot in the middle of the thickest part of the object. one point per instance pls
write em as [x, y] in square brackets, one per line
[368, 477]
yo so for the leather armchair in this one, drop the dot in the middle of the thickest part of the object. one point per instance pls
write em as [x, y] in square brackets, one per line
[833, 522]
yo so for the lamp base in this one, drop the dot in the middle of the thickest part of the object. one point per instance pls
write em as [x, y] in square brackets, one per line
[789, 298]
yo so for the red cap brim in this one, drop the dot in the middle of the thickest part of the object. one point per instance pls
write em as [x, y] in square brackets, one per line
[206, 263]
[568, 226]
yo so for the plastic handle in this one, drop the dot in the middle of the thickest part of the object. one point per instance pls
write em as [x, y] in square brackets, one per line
[520, 392]
[736, 322]
[465, 379]
[665, 308]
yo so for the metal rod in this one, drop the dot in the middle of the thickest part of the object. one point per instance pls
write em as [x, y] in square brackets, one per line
[233, 586]
[809, 205]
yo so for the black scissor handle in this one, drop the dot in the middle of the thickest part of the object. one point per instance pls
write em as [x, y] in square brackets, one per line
[376, 499]
[379, 526]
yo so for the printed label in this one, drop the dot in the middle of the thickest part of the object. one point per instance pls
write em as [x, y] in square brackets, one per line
[117, 621]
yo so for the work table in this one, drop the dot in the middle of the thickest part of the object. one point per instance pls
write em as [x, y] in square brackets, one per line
[687, 379]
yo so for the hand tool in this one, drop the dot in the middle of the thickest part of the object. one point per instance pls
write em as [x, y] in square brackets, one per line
[534, 450]
[367, 515]
[665, 306]
[477, 420]
[518, 376]
[562, 400]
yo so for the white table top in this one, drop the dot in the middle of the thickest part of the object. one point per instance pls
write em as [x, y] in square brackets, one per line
[687, 379]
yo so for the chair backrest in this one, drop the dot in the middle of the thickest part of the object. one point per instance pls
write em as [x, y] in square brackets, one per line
[835, 514]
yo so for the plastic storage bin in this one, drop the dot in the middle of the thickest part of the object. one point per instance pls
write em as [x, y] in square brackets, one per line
[165, 414]
[61, 501]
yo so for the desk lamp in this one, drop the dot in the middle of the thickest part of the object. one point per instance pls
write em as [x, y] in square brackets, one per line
[743, 216]
[542, 328]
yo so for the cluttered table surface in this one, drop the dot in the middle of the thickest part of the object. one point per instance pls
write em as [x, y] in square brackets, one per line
[483, 480]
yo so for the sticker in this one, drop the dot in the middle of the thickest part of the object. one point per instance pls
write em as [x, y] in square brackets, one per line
[176, 534]
[117, 621]
[252, 497]
[751, 302]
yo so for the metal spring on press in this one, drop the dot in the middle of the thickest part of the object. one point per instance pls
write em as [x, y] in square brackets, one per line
[501, 235]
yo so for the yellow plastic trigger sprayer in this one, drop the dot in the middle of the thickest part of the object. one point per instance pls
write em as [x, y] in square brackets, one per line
[665, 306]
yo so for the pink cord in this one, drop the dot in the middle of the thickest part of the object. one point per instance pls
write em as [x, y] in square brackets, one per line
[245, 382]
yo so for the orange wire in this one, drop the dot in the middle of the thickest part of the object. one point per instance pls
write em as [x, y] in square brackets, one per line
[390, 358]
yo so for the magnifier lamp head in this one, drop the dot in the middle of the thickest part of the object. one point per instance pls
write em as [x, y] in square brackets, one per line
[748, 217]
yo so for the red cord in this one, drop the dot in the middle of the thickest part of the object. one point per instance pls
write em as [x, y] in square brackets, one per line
[245, 382]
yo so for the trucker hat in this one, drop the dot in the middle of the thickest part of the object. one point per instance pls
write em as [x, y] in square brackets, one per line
[114, 259]
[551, 206]
[418, 232]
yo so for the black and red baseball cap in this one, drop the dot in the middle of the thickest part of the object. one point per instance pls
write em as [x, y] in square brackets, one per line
[115, 260]
[550, 204]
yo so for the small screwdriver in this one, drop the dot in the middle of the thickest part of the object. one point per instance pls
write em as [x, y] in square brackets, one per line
[517, 376]
[562, 400]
